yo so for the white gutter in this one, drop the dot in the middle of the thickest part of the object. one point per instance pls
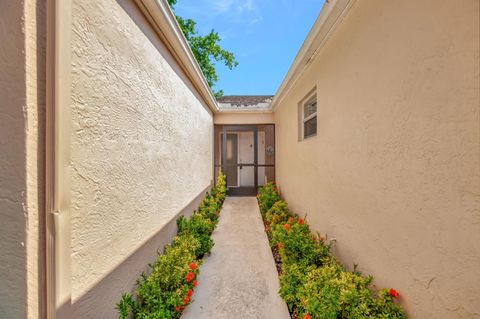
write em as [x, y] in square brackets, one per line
[330, 16]
[165, 24]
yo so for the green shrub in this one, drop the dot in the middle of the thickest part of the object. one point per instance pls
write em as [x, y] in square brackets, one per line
[298, 244]
[210, 208]
[330, 292]
[267, 196]
[166, 290]
[292, 279]
[199, 227]
[278, 213]
[312, 281]
[221, 187]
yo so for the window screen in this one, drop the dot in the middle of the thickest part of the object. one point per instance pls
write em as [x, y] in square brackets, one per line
[310, 117]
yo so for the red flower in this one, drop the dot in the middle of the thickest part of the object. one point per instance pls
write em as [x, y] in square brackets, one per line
[189, 292]
[192, 266]
[287, 227]
[307, 316]
[392, 292]
[300, 221]
[195, 283]
[179, 308]
[190, 276]
[280, 245]
[186, 300]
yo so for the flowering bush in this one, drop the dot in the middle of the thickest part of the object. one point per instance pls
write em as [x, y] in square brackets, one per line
[267, 197]
[312, 282]
[168, 288]
[278, 213]
[201, 228]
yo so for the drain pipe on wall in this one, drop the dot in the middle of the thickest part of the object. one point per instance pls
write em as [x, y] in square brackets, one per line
[57, 188]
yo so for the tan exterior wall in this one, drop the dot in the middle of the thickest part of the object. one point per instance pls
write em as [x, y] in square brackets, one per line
[22, 107]
[141, 151]
[243, 118]
[394, 171]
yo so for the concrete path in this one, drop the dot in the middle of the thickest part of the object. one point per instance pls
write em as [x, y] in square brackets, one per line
[239, 279]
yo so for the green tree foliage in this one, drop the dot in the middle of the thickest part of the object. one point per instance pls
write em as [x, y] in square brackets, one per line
[206, 49]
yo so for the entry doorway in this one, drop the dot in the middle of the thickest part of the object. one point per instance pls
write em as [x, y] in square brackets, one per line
[245, 153]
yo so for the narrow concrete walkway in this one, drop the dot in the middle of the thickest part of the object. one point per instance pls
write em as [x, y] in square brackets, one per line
[239, 279]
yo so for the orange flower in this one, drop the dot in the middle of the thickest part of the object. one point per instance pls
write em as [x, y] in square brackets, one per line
[392, 292]
[290, 220]
[179, 308]
[190, 276]
[300, 221]
[287, 227]
[280, 245]
[307, 316]
[192, 266]
[195, 283]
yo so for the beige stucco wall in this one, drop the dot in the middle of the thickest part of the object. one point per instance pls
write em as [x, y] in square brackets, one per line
[141, 150]
[243, 118]
[22, 106]
[394, 171]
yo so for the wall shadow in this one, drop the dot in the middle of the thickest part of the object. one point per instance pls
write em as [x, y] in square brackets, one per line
[100, 300]
[41, 51]
[13, 178]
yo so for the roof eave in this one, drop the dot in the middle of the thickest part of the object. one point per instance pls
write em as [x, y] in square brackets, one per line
[163, 21]
[329, 18]
[245, 110]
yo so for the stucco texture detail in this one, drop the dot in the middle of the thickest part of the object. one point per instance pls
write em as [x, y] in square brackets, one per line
[141, 144]
[22, 56]
[394, 171]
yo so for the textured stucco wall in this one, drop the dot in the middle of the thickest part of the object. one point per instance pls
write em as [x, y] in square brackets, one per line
[141, 148]
[22, 105]
[394, 171]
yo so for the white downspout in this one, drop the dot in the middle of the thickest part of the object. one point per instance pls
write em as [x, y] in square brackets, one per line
[57, 188]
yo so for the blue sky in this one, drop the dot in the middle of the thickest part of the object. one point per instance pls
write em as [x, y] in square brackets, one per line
[265, 36]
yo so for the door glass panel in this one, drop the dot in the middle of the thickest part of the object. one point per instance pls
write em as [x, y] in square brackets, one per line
[231, 170]
[247, 176]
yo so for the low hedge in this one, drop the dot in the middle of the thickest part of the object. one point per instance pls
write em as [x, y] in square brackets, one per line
[312, 282]
[167, 289]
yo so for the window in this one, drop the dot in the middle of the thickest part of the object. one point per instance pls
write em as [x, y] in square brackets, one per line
[309, 117]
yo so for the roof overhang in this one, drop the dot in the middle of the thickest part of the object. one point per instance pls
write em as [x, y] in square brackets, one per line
[330, 17]
[163, 21]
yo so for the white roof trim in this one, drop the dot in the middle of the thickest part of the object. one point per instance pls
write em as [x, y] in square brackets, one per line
[329, 18]
[165, 24]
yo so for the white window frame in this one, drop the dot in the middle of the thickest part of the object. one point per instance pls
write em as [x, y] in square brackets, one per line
[302, 120]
